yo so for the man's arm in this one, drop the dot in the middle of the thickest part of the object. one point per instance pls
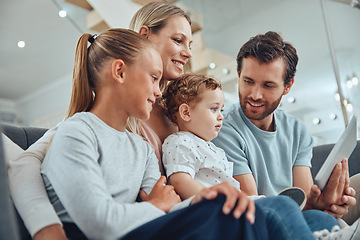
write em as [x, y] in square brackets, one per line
[302, 178]
[247, 184]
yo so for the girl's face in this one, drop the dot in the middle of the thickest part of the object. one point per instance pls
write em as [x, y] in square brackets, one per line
[142, 79]
[173, 42]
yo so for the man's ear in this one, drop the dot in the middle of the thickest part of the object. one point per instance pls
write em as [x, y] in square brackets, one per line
[117, 70]
[144, 31]
[288, 86]
[184, 112]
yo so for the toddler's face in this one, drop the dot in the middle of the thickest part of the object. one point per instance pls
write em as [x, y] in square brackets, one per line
[206, 116]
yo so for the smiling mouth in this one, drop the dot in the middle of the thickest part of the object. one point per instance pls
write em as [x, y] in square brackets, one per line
[151, 102]
[255, 104]
[178, 64]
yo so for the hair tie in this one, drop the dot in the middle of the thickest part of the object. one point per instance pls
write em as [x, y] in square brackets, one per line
[92, 38]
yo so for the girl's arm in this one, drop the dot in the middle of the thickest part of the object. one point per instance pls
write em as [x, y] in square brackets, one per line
[185, 185]
[27, 187]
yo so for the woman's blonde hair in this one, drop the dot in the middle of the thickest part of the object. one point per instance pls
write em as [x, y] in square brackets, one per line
[154, 16]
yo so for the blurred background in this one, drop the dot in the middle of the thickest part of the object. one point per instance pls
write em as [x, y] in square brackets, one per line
[38, 41]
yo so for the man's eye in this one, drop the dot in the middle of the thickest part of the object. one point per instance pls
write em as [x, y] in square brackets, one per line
[248, 81]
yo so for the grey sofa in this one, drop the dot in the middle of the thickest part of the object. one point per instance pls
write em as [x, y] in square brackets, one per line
[25, 136]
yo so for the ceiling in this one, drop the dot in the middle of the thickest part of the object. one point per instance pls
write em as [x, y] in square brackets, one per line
[50, 44]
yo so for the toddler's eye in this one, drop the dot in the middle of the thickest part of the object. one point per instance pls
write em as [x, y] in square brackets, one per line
[213, 109]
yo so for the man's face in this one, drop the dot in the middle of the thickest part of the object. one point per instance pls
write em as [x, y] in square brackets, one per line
[261, 87]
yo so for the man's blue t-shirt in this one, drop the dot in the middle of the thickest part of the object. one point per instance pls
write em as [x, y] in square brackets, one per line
[269, 156]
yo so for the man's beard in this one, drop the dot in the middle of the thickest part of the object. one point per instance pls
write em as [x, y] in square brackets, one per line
[257, 116]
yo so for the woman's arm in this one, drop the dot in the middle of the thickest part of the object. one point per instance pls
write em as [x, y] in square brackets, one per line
[27, 187]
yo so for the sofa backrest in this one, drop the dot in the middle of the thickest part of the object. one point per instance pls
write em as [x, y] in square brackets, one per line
[8, 225]
[321, 152]
[23, 136]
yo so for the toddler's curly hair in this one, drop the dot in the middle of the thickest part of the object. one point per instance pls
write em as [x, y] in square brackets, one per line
[185, 89]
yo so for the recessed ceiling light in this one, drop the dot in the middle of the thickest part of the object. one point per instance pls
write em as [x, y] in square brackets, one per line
[21, 44]
[355, 80]
[349, 107]
[291, 99]
[349, 83]
[337, 96]
[332, 116]
[316, 121]
[226, 71]
[62, 13]
[212, 65]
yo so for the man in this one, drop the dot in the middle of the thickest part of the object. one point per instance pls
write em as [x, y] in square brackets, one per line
[272, 150]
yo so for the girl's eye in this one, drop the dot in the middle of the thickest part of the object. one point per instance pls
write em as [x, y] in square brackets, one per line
[177, 40]
[154, 78]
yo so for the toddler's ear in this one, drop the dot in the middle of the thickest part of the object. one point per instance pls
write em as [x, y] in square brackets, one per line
[184, 112]
[117, 70]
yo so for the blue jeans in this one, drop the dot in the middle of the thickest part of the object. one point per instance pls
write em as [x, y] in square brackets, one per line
[203, 220]
[285, 220]
[319, 220]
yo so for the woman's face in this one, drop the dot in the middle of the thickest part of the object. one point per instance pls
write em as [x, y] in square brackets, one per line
[173, 42]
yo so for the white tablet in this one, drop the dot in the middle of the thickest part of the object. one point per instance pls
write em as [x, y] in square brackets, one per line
[342, 149]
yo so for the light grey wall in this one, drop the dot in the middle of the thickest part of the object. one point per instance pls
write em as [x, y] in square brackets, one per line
[46, 106]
